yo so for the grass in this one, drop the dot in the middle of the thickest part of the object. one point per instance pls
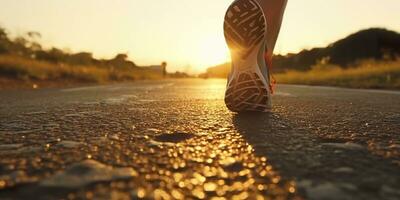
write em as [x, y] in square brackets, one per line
[365, 74]
[24, 69]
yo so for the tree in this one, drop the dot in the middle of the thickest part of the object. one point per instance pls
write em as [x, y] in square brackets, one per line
[4, 41]
[121, 57]
[33, 43]
[3, 34]
[82, 58]
[54, 55]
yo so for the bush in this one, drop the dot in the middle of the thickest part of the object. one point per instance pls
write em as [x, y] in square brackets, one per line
[17, 67]
[366, 74]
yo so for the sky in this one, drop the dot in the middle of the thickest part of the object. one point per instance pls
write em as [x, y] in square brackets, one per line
[187, 34]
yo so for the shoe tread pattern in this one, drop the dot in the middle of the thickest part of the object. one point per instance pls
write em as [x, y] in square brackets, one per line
[244, 29]
[247, 92]
[244, 26]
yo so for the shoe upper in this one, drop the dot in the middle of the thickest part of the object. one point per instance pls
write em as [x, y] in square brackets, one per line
[263, 65]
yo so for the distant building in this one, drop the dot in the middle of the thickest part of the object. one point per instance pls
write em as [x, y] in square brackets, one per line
[161, 69]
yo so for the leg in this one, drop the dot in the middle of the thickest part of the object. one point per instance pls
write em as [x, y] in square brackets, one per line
[274, 10]
[249, 32]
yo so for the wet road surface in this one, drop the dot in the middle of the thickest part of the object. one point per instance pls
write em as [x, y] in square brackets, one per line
[175, 139]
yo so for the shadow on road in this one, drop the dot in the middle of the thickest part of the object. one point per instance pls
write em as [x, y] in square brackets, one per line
[271, 136]
[250, 124]
[297, 153]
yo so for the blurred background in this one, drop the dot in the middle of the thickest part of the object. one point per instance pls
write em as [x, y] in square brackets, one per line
[334, 42]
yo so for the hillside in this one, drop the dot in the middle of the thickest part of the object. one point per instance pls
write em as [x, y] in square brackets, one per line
[23, 61]
[27, 46]
[375, 43]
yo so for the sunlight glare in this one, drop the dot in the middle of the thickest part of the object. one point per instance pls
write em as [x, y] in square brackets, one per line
[211, 51]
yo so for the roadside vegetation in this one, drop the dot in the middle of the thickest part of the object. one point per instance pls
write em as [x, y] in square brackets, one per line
[24, 61]
[364, 74]
[26, 69]
[366, 59]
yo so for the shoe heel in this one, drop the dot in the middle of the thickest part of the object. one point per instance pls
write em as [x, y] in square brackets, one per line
[247, 92]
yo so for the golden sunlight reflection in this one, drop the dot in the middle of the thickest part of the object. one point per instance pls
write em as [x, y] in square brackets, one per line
[216, 84]
[221, 165]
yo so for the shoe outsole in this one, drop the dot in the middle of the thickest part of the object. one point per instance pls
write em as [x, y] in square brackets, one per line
[245, 33]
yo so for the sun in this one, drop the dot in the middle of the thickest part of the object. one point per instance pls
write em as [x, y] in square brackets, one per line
[211, 51]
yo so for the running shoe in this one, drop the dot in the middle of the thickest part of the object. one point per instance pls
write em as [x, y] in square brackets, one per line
[245, 29]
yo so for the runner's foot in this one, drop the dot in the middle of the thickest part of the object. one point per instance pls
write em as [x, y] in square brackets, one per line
[248, 87]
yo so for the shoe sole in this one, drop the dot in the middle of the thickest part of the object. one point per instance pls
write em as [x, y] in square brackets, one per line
[245, 34]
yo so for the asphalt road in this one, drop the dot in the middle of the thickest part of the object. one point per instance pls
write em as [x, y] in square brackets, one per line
[175, 139]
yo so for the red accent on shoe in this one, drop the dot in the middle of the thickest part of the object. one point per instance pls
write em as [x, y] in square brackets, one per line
[272, 81]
